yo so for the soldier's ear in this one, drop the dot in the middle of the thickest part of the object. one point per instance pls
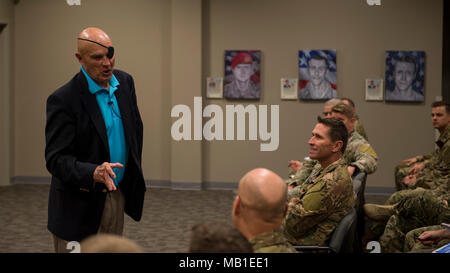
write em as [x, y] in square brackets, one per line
[337, 146]
[237, 205]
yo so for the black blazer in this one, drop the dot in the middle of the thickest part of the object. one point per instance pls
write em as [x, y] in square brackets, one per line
[76, 143]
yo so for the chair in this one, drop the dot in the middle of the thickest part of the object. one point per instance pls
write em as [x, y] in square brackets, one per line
[343, 238]
[359, 186]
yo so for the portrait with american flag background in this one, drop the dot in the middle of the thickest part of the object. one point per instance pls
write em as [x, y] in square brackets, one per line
[405, 76]
[317, 74]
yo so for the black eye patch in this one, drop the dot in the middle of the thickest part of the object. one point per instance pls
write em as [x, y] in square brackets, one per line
[110, 53]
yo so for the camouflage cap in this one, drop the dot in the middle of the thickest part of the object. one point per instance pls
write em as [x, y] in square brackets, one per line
[343, 109]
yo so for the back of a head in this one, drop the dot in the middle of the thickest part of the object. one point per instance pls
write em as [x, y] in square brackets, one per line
[349, 101]
[265, 193]
[108, 243]
[332, 102]
[343, 109]
[218, 237]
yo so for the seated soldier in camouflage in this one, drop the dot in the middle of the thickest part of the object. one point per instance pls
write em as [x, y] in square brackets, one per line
[295, 165]
[218, 237]
[426, 239]
[359, 154]
[358, 125]
[419, 171]
[407, 210]
[327, 195]
[258, 210]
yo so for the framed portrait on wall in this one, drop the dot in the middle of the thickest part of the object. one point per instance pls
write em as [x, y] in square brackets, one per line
[288, 89]
[405, 74]
[214, 88]
[374, 89]
[317, 74]
[242, 74]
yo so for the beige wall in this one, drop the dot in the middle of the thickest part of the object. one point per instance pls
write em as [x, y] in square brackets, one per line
[171, 46]
[139, 31]
[6, 78]
[361, 35]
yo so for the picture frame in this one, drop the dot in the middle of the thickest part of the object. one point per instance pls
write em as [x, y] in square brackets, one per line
[317, 74]
[242, 74]
[288, 88]
[214, 87]
[404, 77]
[374, 89]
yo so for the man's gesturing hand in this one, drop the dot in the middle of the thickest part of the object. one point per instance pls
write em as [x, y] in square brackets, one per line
[104, 172]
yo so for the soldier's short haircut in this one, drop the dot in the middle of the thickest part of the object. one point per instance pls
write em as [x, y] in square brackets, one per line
[218, 237]
[441, 103]
[352, 103]
[336, 130]
[407, 59]
[332, 102]
[343, 109]
[319, 58]
[108, 243]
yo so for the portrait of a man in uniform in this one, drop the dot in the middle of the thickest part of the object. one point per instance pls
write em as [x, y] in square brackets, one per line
[242, 74]
[317, 74]
[405, 73]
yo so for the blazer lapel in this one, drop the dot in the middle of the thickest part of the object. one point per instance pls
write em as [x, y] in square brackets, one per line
[90, 102]
[123, 102]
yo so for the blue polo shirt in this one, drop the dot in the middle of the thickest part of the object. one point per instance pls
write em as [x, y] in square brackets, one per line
[113, 122]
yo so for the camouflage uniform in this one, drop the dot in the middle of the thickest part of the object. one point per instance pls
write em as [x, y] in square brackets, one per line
[322, 201]
[271, 242]
[412, 242]
[231, 91]
[358, 153]
[402, 170]
[418, 208]
[439, 193]
[437, 165]
[360, 128]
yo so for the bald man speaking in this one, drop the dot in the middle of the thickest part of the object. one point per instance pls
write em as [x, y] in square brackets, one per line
[93, 147]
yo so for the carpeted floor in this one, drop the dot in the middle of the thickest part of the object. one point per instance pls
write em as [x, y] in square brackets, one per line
[165, 226]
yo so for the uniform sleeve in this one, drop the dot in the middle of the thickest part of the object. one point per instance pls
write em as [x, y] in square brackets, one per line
[445, 154]
[425, 157]
[318, 204]
[365, 158]
[360, 129]
[304, 172]
[440, 161]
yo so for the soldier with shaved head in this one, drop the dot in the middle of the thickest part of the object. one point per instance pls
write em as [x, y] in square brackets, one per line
[93, 146]
[259, 209]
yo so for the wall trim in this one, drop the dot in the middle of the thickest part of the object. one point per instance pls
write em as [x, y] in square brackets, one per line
[387, 191]
[220, 185]
[166, 184]
[15, 180]
[186, 185]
